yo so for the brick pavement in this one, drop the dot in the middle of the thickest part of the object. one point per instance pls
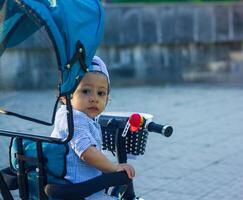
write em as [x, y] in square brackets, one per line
[202, 160]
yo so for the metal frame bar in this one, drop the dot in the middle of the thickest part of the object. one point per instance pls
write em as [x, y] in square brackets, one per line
[4, 189]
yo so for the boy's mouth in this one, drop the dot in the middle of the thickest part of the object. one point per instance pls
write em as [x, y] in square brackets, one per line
[93, 109]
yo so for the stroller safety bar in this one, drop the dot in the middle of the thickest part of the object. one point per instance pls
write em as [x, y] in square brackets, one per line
[73, 191]
[31, 137]
[84, 189]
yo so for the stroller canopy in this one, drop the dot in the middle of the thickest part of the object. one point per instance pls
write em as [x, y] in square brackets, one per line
[75, 28]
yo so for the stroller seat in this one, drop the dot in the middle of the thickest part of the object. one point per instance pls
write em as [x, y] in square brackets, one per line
[25, 173]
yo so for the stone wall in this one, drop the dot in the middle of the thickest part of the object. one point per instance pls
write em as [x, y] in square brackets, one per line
[147, 44]
[30, 65]
[174, 43]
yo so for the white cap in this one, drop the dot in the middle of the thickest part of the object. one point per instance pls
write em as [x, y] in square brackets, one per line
[98, 65]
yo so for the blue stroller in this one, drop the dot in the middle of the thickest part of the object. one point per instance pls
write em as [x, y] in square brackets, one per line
[37, 163]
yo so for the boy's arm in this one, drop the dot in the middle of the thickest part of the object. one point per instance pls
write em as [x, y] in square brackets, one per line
[97, 159]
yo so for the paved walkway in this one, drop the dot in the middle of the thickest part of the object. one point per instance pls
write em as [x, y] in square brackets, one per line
[202, 160]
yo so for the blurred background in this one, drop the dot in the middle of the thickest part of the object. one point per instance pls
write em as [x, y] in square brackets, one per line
[147, 43]
[166, 1]
[181, 61]
[179, 42]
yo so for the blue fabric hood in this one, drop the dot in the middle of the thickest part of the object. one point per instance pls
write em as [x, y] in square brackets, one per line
[70, 24]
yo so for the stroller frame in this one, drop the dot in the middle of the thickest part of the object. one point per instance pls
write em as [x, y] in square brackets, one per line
[45, 189]
[21, 175]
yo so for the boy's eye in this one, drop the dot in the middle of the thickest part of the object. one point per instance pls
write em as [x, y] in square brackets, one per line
[101, 93]
[85, 91]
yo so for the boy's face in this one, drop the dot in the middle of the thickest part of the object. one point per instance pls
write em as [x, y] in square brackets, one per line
[91, 95]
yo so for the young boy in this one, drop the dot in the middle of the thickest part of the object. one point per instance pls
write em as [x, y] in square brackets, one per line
[85, 159]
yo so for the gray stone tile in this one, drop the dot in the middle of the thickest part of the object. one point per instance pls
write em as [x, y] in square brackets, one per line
[202, 160]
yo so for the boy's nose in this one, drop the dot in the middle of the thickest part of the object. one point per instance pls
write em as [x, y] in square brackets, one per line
[93, 98]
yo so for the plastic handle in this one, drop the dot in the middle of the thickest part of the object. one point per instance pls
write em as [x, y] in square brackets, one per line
[165, 130]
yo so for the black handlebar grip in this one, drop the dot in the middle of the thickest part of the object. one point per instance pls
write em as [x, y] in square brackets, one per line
[165, 130]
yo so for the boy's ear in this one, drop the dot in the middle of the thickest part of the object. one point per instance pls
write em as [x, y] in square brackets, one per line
[63, 99]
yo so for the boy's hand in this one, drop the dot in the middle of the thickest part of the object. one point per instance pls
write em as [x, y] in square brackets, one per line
[97, 159]
[127, 168]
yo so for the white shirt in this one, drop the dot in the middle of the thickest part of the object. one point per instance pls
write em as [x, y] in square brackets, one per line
[87, 133]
